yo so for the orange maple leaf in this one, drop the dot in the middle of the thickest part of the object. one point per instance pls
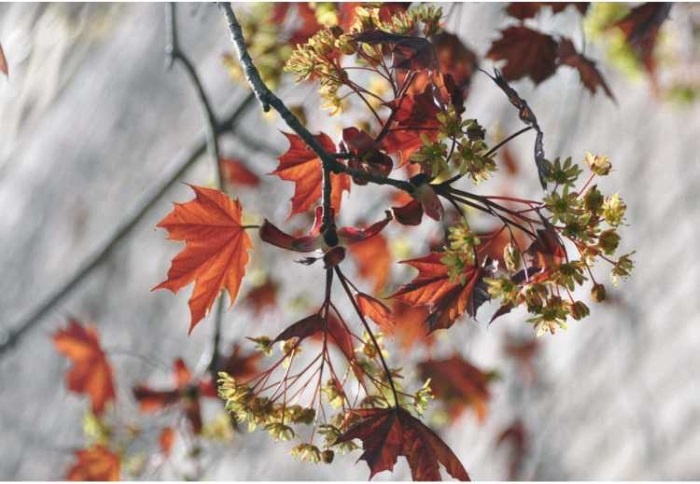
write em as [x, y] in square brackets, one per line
[91, 373]
[96, 463]
[216, 249]
[447, 300]
[303, 167]
[373, 259]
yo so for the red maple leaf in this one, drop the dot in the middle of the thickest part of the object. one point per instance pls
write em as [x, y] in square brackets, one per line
[91, 372]
[410, 328]
[527, 53]
[306, 24]
[166, 439]
[262, 297]
[459, 384]
[186, 392]
[525, 10]
[377, 311]
[447, 300]
[641, 28]
[316, 326]
[590, 75]
[235, 172]
[515, 435]
[303, 167]
[416, 115]
[3, 63]
[96, 463]
[240, 366]
[215, 253]
[373, 259]
[387, 433]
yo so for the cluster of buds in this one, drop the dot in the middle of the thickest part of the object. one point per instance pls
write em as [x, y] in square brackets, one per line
[460, 251]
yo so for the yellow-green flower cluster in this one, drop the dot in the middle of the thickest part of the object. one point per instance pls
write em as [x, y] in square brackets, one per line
[460, 253]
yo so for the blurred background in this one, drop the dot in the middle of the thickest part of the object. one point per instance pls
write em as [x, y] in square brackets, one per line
[93, 126]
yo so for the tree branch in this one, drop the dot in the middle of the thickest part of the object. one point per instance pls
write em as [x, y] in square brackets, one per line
[268, 100]
[175, 54]
[179, 167]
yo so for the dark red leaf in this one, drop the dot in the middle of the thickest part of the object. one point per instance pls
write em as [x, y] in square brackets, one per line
[459, 384]
[590, 75]
[527, 53]
[389, 433]
[302, 329]
[641, 28]
[525, 10]
[516, 436]
[409, 214]
[262, 297]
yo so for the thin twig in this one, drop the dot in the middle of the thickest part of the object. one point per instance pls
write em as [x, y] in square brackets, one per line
[269, 100]
[175, 54]
[179, 167]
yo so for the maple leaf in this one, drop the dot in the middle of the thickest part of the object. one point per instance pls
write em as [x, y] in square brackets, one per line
[3, 63]
[216, 249]
[166, 440]
[525, 10]
[235, 172]
[641, 29]
[303, 167]
[306, 25]
[415, 116]
[523, 352]
[91, 372]
[262, 297]
[408, 52]
[185, 392]
[410, 328]
[459, 384]
[455, 59]
[96, 463]
[527, 52]
[240, 366]
[373, 259]
[376, 311]
[516, 435]
[447, 300]
[546, 253]
[590, 75]
[387, 433]
[316, 326]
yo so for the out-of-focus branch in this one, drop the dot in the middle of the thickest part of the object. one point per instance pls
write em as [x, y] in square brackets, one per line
[17, 331]
[175, 55]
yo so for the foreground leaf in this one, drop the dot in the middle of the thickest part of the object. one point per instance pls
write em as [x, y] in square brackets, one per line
[96, 463]
[303, 167]
[216, 249]
[91, 373]
[387, 433]
[447, 300]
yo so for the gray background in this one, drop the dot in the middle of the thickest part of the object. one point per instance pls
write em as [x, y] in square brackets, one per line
[90, 119]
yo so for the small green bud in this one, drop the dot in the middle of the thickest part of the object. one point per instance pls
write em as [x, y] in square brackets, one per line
[598, 293]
